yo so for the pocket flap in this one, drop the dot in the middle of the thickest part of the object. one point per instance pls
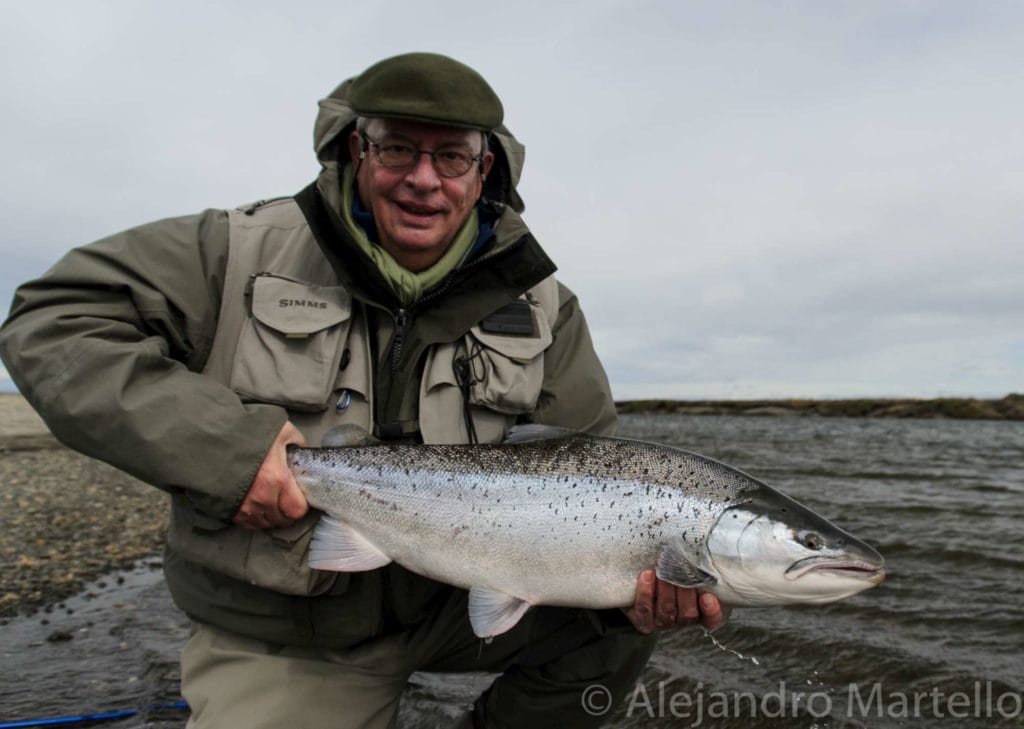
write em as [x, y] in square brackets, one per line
[517, 348]
[437, 370]
[298, 309]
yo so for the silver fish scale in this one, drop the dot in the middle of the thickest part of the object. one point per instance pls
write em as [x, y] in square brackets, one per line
[547, 520]
[600, 458]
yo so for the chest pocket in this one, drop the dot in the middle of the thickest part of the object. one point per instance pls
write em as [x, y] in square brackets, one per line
[506, 370]
[290, 347]
[498, 369]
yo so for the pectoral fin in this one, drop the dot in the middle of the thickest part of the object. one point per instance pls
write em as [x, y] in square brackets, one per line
[676, 567]
[339, 548]
[493, 613]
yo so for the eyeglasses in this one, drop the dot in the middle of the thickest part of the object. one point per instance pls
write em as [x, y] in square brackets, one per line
[448, 161]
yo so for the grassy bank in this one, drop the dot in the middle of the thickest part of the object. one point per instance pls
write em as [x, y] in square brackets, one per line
[1010, 407]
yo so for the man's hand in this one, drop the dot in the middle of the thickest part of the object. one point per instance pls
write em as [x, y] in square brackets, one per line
[660, 605]
[274, 499]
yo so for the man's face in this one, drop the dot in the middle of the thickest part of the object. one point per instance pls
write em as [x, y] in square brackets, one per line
[417, 211]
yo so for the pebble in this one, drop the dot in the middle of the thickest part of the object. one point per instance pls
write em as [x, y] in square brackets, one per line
[66, 519]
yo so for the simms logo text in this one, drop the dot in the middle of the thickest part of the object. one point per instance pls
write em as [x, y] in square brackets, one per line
[305, 303]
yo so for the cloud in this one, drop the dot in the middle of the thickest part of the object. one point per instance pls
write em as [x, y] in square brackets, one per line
[748, 198]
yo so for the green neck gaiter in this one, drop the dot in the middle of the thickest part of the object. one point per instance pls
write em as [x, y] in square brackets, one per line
[407, 286]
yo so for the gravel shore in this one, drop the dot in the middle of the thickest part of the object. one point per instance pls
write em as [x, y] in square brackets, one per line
[87, 623]
[64, 518]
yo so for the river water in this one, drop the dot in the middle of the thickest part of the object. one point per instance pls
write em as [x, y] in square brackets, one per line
[940, 643]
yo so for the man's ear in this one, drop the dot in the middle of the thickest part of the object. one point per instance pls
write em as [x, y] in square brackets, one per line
[486, 162]
[356, 147]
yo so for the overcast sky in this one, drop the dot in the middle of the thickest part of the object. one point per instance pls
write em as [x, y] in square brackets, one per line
[752, 199]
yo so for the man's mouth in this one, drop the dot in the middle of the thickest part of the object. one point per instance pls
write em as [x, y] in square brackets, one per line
[419, 211]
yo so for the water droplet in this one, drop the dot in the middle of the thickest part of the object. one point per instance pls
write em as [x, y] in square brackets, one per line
[739, 655]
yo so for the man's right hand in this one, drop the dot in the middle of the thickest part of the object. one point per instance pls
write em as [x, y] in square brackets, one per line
[274, 499]
[660, 605]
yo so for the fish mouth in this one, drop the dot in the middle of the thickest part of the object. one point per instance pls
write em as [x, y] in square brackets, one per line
[853, 569]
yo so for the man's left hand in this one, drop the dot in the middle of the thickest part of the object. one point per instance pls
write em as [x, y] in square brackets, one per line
[660, 605]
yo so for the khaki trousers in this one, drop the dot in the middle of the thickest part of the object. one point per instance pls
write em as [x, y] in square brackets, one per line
[547, 662]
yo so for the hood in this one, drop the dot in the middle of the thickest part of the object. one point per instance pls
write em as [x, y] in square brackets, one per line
[336, 117]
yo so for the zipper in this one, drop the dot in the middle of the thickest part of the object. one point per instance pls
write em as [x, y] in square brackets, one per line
[250, 285]
[401, 321]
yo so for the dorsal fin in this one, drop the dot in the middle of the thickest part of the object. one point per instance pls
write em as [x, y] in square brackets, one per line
[533, 432]
[347, 436]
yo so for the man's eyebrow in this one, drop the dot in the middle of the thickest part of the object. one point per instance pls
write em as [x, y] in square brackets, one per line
[395, 136]
[398, 136]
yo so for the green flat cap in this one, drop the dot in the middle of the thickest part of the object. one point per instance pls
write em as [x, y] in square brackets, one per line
[426, 87]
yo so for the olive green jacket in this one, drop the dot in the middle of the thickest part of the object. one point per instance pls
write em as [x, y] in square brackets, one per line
[110, 345]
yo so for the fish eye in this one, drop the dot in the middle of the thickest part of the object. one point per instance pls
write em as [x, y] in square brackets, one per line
[812, 541]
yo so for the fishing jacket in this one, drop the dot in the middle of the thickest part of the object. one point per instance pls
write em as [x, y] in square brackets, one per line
[177, 350]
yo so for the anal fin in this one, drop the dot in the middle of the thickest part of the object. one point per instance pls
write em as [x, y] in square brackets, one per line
[338, 547]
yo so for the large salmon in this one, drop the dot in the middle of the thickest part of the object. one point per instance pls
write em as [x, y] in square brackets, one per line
[555, 517]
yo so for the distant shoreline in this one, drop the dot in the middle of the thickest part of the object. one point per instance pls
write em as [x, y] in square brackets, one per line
[1010, 407]
[27, 425]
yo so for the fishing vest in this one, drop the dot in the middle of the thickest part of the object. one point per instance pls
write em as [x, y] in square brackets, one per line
[288, 334]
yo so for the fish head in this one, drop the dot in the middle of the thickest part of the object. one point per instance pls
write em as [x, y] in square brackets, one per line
[771, 550]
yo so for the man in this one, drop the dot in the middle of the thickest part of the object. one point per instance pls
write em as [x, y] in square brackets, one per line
[400, 292]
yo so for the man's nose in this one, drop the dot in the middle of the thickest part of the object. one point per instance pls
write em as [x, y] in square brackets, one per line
[423, 174]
